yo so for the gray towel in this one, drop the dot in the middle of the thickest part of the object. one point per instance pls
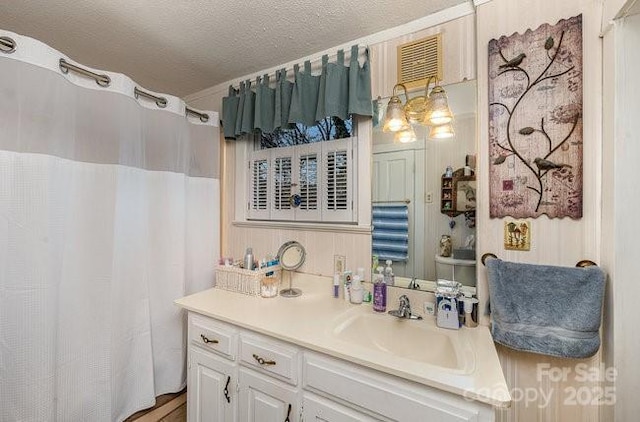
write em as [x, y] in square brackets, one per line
[545, 309]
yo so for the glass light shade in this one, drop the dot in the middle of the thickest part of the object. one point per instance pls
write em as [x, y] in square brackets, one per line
[405, 136]
[395, 119]
[441, 132]
[439, 112]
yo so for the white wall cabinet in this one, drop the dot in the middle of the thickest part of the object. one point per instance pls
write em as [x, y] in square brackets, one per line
[238, 375]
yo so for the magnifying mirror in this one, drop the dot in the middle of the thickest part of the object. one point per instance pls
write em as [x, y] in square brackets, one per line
[291, 256]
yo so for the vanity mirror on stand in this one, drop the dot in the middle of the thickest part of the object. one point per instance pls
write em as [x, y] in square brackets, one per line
[291, 256]
[411, 195]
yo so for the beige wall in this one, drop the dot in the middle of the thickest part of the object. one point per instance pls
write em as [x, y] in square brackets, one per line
[556, 242]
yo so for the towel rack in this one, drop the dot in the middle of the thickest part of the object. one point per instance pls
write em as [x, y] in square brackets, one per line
[581, 264]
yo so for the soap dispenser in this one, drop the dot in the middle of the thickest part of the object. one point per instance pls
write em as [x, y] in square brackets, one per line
[379, 292]
[357, 291]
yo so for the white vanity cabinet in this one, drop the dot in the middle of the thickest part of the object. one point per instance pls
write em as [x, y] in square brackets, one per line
[236, 374]
[318, 409]
[212, 388]
[263, 399]
[212, 375]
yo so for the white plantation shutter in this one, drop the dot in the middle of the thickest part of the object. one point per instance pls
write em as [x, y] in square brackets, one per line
[322, 173]
[282, 179]
[338, 180]
[259, 185]
[309, 182]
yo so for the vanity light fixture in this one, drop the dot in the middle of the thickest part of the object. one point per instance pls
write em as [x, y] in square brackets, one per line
[431, 109]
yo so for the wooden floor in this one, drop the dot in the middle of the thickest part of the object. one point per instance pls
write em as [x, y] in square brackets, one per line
[168, 408]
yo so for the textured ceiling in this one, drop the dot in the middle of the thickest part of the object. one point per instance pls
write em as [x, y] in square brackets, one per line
[182, 46]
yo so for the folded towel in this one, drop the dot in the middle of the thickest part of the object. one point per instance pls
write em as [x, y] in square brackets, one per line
[545, 309]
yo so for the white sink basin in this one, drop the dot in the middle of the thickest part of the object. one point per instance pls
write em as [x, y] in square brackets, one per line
[418, 341]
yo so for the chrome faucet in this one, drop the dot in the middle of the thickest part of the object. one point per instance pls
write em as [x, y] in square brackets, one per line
[404, 309]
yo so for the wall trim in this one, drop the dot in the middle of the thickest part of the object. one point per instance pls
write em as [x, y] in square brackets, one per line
[420, 24]
[314, 227]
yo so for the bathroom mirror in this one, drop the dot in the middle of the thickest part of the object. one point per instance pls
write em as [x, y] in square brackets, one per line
[408, 181]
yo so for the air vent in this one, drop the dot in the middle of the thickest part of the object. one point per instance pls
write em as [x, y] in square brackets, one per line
[418, 60]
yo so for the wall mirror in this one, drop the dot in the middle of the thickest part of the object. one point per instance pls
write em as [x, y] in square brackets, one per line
[410, 184]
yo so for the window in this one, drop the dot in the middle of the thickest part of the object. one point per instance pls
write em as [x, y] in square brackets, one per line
[304, 174]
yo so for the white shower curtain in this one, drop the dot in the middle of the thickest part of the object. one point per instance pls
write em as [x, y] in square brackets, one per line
[109, 211]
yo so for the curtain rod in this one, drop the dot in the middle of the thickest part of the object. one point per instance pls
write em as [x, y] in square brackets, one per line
[316, 64]
[160, 101]
[204, 117]
[102, 80]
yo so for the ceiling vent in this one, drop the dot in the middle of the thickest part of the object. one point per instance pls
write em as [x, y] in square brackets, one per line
[418, 60]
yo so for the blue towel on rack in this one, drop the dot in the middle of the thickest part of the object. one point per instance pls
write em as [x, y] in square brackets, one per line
[544, 309]
[390, 239]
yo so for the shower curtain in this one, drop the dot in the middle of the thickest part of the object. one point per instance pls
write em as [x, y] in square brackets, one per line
[109, 211]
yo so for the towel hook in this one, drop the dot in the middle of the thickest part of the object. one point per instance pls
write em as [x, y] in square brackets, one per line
[485, 256]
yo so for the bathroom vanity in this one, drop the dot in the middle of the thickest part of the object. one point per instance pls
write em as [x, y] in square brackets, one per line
[316, 358]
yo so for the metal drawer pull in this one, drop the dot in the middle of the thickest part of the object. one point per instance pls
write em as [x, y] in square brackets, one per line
[207, 341]
[288, 414]
[226, 390]
[261, 361]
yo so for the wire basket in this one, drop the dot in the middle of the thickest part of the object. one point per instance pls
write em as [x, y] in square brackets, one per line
[244, 281]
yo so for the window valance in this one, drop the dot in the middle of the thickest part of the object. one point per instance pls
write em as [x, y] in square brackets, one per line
[339, 90]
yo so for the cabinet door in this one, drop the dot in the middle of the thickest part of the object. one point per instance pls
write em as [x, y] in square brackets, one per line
[317, 409]
[263, 399]
[211, 388]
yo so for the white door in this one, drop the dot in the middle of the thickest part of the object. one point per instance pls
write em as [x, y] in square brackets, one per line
[317, 409]
[263, 399]
[211, 390]
[394, 180]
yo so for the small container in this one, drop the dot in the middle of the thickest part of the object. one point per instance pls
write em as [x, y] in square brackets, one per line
[445, 245]
[248, 259]
[448, 171]
[336, 285]
[269, 286]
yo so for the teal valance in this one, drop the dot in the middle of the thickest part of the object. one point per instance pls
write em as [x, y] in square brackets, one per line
[338, 91]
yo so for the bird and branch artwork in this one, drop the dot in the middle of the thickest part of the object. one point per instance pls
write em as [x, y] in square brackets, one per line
[535, 122]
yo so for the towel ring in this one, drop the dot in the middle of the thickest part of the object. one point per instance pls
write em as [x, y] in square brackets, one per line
[485, 256]
[581, 264]
[586, 263]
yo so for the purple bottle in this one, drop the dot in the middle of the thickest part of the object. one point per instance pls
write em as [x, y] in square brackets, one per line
[379, 292]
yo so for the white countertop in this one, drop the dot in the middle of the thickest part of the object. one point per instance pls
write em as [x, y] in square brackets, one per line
[309, 320]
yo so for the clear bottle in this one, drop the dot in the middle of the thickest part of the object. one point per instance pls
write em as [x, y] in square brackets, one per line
[379, 292]
[390, 279]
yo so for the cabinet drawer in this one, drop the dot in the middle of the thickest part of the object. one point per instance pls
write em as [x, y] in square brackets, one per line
[213, 336]
[373, 393]
[270, 356]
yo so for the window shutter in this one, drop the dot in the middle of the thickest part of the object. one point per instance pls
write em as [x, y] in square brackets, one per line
[282, 184]
[338, 180]
[308, 181]
[259, 186]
